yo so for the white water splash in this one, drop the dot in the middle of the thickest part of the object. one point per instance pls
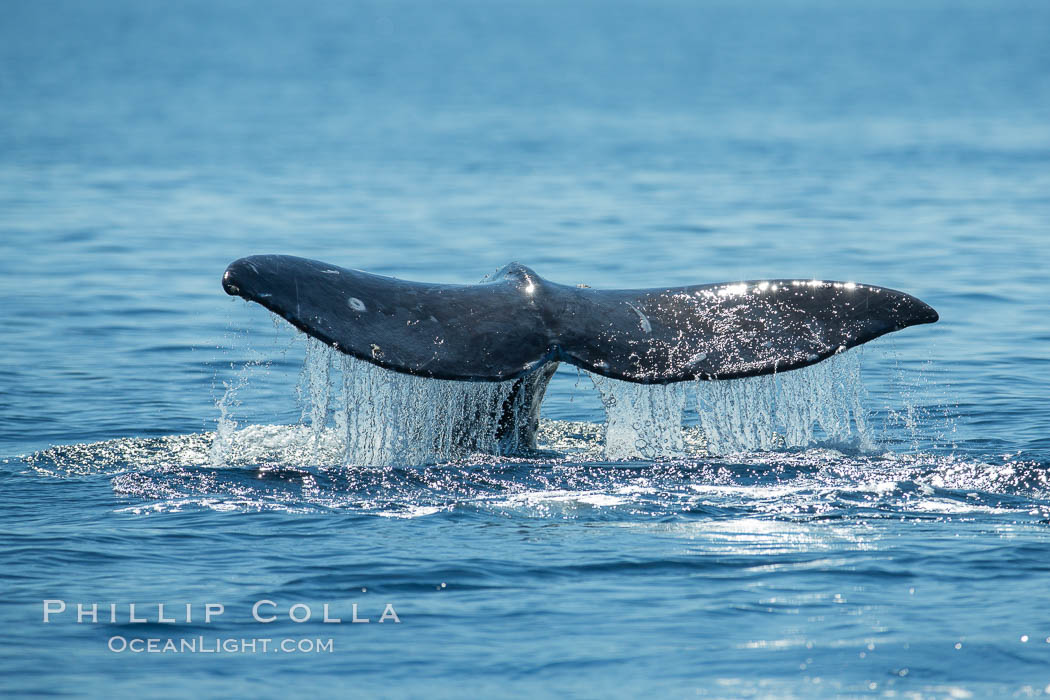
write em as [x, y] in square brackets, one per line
[315, 386]
[379, 417]
[373, 416]
[823, 402]
[391, 418]
[642, 420]
[226, 428]
[793, 409]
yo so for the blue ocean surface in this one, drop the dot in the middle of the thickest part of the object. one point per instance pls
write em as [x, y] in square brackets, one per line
[162, 443]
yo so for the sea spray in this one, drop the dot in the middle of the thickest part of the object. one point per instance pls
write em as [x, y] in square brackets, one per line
[225, 428]
[919, 402]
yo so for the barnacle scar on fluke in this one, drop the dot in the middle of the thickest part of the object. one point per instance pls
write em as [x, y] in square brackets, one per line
[519, 326]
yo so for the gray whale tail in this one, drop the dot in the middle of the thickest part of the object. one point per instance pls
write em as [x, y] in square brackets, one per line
[518, 326]
[516, 322]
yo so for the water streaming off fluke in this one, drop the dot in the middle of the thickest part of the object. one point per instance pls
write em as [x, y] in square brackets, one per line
[373, 416]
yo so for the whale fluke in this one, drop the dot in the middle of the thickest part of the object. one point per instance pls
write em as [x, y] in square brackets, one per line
[516, 322]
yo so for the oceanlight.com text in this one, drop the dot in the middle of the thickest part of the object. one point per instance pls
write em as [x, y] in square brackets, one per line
[219, 645]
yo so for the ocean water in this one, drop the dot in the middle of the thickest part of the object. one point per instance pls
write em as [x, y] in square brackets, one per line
[162, 443]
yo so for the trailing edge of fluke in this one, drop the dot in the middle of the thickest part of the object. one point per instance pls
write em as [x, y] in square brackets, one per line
[516, 322]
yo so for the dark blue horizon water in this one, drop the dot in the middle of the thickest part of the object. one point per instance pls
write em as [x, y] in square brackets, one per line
[144, 146]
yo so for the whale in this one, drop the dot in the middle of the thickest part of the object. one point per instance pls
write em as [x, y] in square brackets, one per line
[517, 326]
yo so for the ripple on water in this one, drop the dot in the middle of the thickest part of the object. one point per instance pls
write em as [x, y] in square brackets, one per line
[297, 469]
